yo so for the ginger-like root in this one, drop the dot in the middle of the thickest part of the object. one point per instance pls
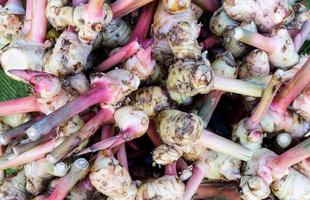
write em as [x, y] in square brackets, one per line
[176, 6]
[150, 99]
[14, 188]
[302, 104]
[220, 21]
[68, 56]
[166, 187]
[39, 172]
[82, 191]
[89, 18]
[266, 14]
[254, 188]
[15, 120]
[166, 153]
[110, 178]
[175, 35]
[10, 22]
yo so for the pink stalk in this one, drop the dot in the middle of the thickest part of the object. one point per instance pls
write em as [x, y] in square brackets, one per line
[153, 135]
[100, 92]
[38, 23]
[31, 155]
[294, 87]
[94, 7]
[210, 42]
[122, 156]
[121, 8]
[194, 182]
[2, 2]
[66, 183]
[257, 40]
[78, 2]
[122, 137]
[265, 102]
[210, 102]
[181, 165]
[302, 35]
[16, 133]
[142, 27]
[291, 157]
[28, 17]
[89, 129]
[171, 169]
[21, 105]
[208, 5]
[119, 56]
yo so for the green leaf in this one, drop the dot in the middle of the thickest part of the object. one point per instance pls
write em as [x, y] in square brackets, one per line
[11, 89]
[10, 171]
[305, 49]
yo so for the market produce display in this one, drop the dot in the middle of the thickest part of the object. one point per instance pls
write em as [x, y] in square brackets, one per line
[154, 99]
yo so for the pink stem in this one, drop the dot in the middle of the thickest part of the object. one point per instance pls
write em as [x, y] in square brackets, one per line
[21, 105]
[106, 132]
[38, 23]
[99, 93]
[89, 129]
[294, 87]
[153, 135]
[171, 169]
[121, 8]
[210, 42]
[257, 40]
[31, 155]
[121, 138]
[66, 183]
[142, 27]
[302, 35]
[194, 182]
[78, 2]
[28, 17]
[181, 165]
[94, 7]
[291, 157]
[3, 2]
[119, 56]
[229, 191]
[122, 156]
[208, 5]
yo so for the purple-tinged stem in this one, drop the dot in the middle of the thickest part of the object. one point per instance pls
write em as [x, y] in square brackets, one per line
[302, 35]
[257, 40]
[229, 191]
[106, 132]
[38, 22]
[153, 135]
[121, 8]
[99, 93]
[294, 87]
[210, 102]
[142, 27]
[3, 2]
[15, 6]
[171, 169]
[74, 140]
[28, 17]
[291, 157]
[119, 56]
[194, 182]
[78, 2]
[210, 42]
[21, 105]
[208, 5]
[77, 172]
[122, 156]
[220, 144]
[21, 148]
[31, 155]
[269, 93]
